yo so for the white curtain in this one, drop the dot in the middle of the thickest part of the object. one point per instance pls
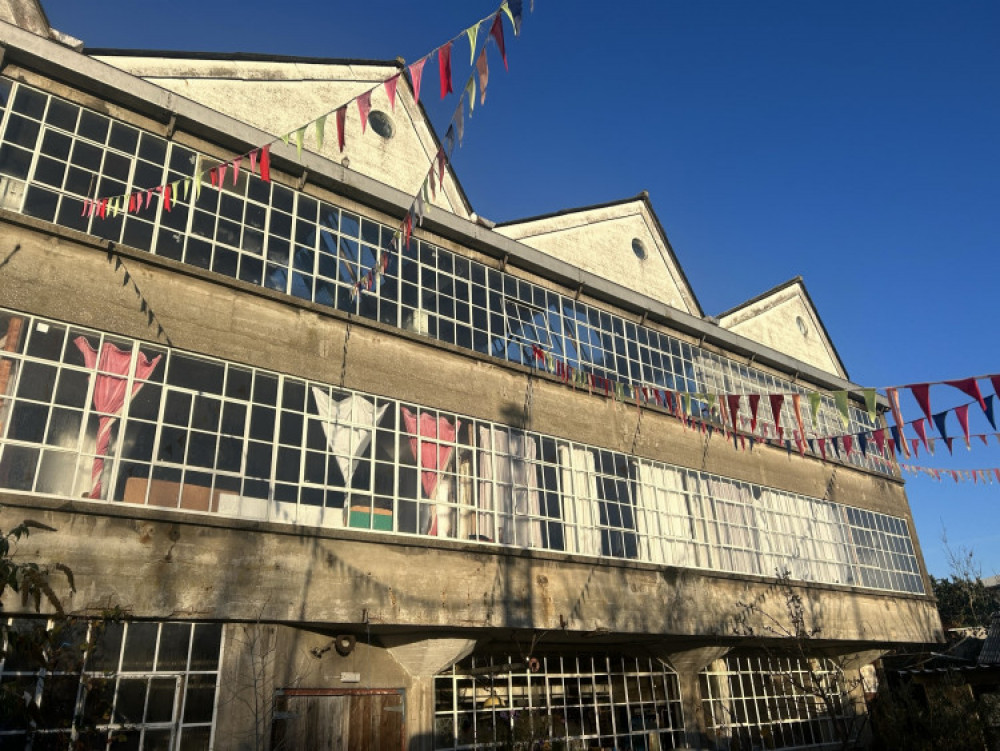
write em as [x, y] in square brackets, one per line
[663, 519]
[348, 424]
[508, 490]
[581, 514]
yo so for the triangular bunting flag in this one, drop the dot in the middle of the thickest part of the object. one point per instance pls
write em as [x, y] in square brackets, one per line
[897, 415]
[879, 436]
[320, 132]
[390, 90]
[733, 402]
[962, 413]
[797, 403]
[840, 398]
[472, 33]
[871, 403]
[989, 411]
[483, 68]
[236, 168]
[460, 120]
[754, 400]
[848, 445]
[300, 136]
[496, 31]
[921, 431]
[971, 387]
[815, 399]
[863, 443]
[470, 94]
[776, 401]
[265, 163]
[341, 116]
[416, 73]
[444, 68]
[915, 442]
[364, 107]
[940, 421]
[949, 442]
[253, 161]
[922, 393]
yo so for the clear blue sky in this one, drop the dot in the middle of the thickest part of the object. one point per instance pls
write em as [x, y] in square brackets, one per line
[854, 143]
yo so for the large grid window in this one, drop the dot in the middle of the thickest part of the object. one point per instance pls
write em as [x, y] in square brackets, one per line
[571, 701]
[139, 686]
[53, 154]
[777, 703]
[86, 414]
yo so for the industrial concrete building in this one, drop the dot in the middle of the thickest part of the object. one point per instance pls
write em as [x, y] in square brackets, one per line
[378, 520]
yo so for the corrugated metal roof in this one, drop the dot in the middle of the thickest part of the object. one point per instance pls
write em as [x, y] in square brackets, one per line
[990, 653]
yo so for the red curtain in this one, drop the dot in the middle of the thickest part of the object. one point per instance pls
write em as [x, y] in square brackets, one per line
[110, 385]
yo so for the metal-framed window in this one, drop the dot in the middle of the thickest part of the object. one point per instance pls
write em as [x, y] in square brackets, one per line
[203, 435]
[580, 700]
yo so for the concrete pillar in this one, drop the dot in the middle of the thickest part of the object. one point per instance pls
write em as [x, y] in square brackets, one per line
[423, 659]
[688, 663]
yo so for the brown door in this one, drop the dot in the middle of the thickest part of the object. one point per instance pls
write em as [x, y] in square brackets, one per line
[336, 720]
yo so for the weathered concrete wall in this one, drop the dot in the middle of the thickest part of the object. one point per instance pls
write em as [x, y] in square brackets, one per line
[600, 241]
[773, 321]
[168, 565]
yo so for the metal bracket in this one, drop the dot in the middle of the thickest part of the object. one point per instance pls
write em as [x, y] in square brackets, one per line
[302, 179]
[171, 125]
[579, 291]
[503, 263]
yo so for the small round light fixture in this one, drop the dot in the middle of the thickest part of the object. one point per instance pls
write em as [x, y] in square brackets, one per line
[381, 124]
[802, 326]
[639, 249]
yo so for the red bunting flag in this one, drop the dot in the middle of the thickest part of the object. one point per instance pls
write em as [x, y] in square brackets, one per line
[444, 68]
[949, 442]
[364, 107]
[341, 122]
[962, 413]
[390, 90]
[131, 204]
[776, 401]
[102, 211]
[970, 387]
[441, 162]
[416, 72]
[848, 445]
[733, 401]
[214, 177]
[879, 436]
[496, 31]
[916, 444]
[822, 448]
[922, 393]
[166, 197]
[265, 163]
[754, 403]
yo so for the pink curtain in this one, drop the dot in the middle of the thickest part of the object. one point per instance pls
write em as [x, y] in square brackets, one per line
[433, 456]
[110, 386]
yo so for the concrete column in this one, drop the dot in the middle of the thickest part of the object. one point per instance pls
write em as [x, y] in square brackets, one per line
[423, 659]
[688, 664]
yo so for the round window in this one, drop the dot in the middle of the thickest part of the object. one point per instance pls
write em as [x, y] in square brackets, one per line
[381, 124]
[639, 249]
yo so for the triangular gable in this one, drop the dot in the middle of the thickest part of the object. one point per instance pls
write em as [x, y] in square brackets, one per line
[278, 95]
[622, 242]
[785, 319]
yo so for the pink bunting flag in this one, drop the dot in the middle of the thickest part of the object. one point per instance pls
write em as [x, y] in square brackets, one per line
[253, 162]
[341, 122]
[390, 90]
[441, 161]
[265, 163]
[416, 72]
[483, 69]
[86, 205]
[149, 198]
[916, 445]
[364, 107]
[496, 31]
[921, 392]
[962, 413]
[971, 387]
[897, 415]
[131, 204]
[236, 168]
[921, 430]
[222, 175]
[444, 68]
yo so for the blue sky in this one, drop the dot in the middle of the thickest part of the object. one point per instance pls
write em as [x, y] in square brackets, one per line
[854, 143]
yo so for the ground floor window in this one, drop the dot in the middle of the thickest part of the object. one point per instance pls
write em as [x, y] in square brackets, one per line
[133, 686]
[567, 702]
[770, 702]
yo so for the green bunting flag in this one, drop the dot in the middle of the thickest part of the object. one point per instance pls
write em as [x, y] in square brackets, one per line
[870, 396]
[815, 399]
[187, 187]
[285, 138]
[300, 135]
[840, 397]
[473, 33]
[320, 128]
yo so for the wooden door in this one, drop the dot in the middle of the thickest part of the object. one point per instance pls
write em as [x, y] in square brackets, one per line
[337, 720]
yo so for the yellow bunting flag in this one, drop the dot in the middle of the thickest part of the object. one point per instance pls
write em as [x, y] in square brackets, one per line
[472, 32]
[300, 135]
[840, 397]
[320, 128]
[870, 403]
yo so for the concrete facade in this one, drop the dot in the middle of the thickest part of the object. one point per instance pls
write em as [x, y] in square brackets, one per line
[477, 612]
